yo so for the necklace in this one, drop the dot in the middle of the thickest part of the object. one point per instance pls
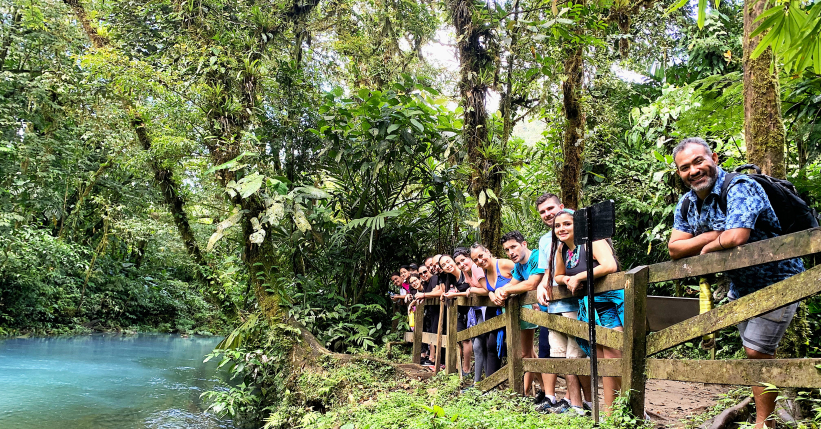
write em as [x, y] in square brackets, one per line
[572, 258]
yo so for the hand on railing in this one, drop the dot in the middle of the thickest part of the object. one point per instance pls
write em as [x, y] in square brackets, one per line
[544, 294]
[574, 283]
[495, 299]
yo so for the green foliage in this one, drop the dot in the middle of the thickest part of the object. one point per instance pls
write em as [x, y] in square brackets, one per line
[339, 326]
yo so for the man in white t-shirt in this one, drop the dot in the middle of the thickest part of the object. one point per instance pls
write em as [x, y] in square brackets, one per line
[561, 345]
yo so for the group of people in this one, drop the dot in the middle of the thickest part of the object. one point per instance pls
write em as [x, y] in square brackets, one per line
[556, 261]
[706, 226]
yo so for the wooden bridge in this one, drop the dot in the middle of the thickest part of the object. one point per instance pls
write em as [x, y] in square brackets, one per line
[660, 326]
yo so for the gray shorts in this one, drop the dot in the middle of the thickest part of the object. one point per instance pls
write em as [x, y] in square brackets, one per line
[763, 333]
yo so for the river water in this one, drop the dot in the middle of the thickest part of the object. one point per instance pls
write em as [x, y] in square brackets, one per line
[107, 381]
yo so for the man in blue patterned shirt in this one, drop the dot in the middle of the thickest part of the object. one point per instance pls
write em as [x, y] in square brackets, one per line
[706, 228]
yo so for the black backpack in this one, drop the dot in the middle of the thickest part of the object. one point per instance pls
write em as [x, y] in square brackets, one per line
[793, 213]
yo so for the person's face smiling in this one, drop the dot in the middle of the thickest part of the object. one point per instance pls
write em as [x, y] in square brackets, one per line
[548, 210]
[448, 265]
[464, 263]
[697, 169]
[564, 227]
[481, 258]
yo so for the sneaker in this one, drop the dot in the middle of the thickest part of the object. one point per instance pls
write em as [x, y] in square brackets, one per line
[426, 362]
[547, 405]
[561, 407]
[540, 397]
[579, 410]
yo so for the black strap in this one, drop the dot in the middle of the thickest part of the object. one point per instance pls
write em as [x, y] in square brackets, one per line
[725, 188]
[722, 200]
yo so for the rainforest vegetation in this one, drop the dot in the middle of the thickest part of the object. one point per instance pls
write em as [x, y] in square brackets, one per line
[208, 165]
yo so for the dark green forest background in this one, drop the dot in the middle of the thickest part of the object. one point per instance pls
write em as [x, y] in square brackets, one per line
[181, 166]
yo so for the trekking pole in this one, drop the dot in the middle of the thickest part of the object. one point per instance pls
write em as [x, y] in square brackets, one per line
[591, 320]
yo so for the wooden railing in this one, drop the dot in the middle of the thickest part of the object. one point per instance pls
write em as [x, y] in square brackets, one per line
[636, 344]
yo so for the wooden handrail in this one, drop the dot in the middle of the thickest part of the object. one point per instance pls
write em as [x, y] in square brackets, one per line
[486, 326]
[789, 246]
[574, 328]
[745, 372]
[634, 367]
[783, 293]
[607, 367]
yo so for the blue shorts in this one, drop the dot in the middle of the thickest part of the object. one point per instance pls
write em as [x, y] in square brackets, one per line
[609, 311]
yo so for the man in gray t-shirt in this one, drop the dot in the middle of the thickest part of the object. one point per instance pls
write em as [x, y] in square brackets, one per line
[561, 345]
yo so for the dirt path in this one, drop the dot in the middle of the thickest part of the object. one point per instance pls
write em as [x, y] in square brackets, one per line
[667, 402]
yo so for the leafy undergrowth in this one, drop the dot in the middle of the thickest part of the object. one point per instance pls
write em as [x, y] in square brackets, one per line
[368, 394]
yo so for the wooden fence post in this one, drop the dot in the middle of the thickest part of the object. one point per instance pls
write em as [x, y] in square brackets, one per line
[513, 311]
[452, 350]
[418, 322]
[634, 355]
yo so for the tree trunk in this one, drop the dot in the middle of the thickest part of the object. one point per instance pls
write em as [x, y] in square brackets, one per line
[764, 133]
[474, 60]
[573, 145]
[163, 177]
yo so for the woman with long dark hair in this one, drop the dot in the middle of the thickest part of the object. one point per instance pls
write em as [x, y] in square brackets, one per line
[570, 268]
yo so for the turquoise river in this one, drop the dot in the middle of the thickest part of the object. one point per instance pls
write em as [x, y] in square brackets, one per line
[107, 381]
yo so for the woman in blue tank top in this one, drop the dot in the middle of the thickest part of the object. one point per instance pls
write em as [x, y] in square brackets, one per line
[498, 272]
[570, 268]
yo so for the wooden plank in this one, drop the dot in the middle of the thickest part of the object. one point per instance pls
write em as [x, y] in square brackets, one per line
[609, 282]
[745, 372]
[491, 324]
[452, 348]
[418, 322]
[442, 316]
[557, 322]
[513, 310]
[408, 337]
[475, 301]
[635, 338]
[771, 297]
[775, 249]
[493, 380]
[430, 338]
[607, 367]
[666, 311]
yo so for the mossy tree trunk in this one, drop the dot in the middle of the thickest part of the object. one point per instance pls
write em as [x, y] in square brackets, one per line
[765, 138]
[163, 177]
[573, 144]
[476, 62]
[764, 132]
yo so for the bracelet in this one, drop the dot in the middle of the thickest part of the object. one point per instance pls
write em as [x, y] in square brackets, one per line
[719, 242]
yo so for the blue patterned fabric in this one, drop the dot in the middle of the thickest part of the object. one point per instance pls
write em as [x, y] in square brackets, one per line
[747, 207]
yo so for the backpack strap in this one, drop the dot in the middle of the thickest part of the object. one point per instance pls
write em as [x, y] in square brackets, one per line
[685, 208]
[725, 189]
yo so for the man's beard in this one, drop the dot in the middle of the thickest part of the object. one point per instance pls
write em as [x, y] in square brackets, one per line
[712, 175]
